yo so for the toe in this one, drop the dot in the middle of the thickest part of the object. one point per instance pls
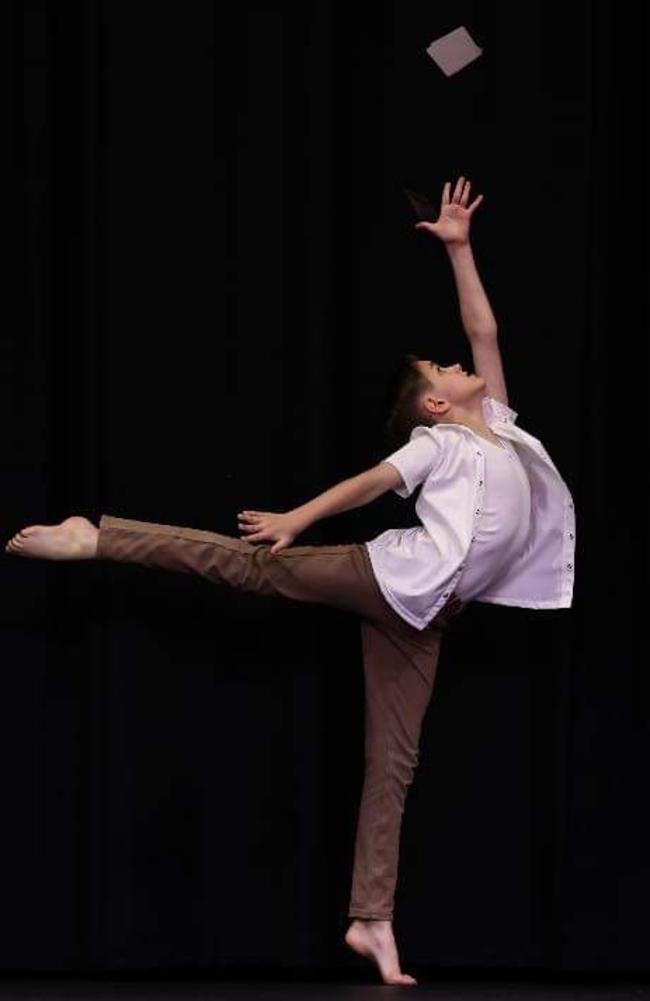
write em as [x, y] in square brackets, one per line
[401, 978]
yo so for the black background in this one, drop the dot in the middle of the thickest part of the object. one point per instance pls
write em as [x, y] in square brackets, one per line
[212, 268]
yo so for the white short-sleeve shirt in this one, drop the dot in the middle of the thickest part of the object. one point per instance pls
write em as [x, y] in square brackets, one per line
[497, 522]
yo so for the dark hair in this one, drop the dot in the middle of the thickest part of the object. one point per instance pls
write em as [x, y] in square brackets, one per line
[403, 407]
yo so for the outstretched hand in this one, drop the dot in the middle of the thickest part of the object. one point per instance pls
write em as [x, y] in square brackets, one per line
[452, 225]
[279, 528]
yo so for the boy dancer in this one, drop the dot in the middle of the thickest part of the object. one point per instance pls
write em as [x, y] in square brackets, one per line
[497, 525]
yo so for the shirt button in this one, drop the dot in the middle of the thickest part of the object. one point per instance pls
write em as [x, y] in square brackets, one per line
[570, 535]
[569, 566]
[478, 510]
[480, 483]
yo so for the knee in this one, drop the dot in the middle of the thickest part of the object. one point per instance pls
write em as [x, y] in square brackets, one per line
[399, 765]
[255, 576]
[405, 761]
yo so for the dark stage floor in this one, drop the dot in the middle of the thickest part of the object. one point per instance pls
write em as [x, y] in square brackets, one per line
[134, 990]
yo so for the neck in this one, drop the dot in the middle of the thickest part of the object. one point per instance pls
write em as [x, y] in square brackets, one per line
[471, 415]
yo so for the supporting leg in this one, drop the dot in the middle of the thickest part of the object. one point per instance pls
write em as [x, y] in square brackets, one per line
[399, 670]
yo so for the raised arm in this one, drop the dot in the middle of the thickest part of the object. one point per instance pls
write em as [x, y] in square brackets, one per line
[353, 492]
[452, 228]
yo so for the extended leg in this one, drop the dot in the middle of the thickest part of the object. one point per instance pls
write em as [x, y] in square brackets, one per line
[339, 576]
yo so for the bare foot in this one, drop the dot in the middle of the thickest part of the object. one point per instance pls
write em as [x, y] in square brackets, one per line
[73, 539]
[375, 940]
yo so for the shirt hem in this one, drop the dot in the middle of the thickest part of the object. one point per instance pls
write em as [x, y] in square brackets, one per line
[394, 603]
[521, 603]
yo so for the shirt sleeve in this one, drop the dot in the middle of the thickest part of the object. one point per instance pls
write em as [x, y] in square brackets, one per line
[415, 460]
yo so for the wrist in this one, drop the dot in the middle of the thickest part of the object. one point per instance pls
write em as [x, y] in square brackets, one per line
[458, 247]
[300, 519]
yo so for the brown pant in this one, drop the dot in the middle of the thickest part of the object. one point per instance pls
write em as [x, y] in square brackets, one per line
[399, 662]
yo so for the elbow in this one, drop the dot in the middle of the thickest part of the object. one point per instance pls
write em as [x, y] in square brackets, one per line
[384, 477]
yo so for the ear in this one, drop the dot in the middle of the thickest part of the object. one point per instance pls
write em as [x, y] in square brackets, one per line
[434, 404]
[442, 406]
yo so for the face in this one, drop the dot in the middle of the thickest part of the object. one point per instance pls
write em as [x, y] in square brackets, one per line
[451, 382]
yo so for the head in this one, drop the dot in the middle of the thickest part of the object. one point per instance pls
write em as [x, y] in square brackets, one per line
[426, 392]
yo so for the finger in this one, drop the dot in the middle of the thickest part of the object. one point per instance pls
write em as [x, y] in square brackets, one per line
[458, 189]
[254, 525]
[477, 201]
[465, 194]
[445, 194]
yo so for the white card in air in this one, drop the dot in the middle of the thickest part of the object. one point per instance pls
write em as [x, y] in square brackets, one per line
[454, 51]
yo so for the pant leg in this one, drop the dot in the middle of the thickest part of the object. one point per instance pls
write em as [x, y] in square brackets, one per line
[400, 665]
[338, 576]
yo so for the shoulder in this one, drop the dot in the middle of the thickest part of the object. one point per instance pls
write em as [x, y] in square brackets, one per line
[431, 436]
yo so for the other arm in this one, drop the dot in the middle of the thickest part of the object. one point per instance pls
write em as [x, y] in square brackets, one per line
[356, 491]
[353, 492]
